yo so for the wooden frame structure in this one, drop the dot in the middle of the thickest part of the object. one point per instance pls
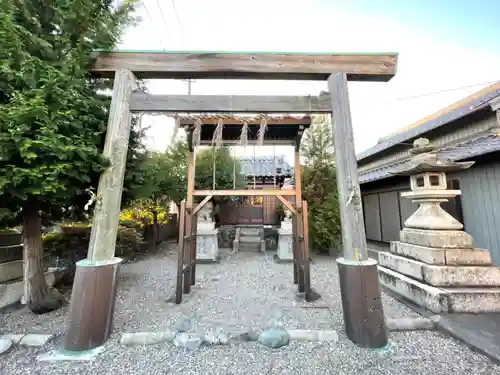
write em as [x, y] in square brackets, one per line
[291, 135]
[363, 313]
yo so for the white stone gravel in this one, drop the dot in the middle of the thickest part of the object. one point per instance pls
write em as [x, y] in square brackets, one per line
[243, 290]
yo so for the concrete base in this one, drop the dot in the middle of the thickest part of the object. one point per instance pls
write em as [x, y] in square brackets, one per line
[91, 310]
[441, 239]
[452, 257]
[13, 292]
[361, 303]
[441, 300]
[437, 275]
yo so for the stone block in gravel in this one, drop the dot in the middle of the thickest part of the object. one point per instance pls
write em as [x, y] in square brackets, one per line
[216, 337]
[250, 335]
[274, 337]
[189, 341]
[410, 324]
[185, 325]
[30, 339]
[5, 345]
[147, 338]
[313, 335]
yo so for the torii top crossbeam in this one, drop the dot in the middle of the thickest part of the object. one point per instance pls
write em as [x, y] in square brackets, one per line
[245, 65]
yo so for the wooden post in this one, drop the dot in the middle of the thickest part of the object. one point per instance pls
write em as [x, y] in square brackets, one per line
[295, 250]
[92, 329]
[180, 253]
[188, 255]
[299, 223]
[307, 274]
[194, 227]
[362, 307]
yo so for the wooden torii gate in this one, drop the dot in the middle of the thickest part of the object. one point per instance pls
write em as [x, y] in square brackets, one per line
[96, 279]
[283, 131]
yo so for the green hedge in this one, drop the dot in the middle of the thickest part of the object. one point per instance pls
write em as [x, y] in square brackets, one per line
[74, 239]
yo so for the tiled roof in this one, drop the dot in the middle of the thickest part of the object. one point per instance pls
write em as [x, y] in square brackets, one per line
[482, 144]
[464, 107]
[265, 166]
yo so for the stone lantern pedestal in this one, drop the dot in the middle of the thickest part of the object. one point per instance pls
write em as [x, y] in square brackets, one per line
[207, 247]
[434, 264]
[285, 243]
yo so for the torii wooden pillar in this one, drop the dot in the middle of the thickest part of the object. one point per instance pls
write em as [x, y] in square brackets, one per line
[90, 318]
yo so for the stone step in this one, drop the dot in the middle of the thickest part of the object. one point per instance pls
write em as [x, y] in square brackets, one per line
[441, 239]
[431, 255]
[247, 232]
[249, 239]
[436, 275]
[249, 247]
[441, 300]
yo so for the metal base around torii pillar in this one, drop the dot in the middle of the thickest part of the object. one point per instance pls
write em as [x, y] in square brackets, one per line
[361, 303]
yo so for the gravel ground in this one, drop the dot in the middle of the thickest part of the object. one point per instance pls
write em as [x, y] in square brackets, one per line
[244, 290]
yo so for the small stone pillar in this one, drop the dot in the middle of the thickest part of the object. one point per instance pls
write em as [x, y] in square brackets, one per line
[434, 264]
[285, 240]
[207, 247]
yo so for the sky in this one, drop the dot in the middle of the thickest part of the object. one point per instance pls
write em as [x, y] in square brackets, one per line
[442, 45]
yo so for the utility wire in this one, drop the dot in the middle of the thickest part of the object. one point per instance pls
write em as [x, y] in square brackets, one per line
[177, 16]
[153, 25]
[163, 17]
[446, 90]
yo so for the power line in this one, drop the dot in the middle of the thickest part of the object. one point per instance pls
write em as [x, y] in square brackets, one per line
[154, 27]
[446, 90]
[181, 32]
[163, 17]
[178, 18]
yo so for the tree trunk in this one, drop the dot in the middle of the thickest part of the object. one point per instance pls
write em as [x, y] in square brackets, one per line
[155, 230]
[37, 294]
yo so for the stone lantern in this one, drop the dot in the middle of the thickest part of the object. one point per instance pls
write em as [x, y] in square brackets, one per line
[434, 263]
[427, 172]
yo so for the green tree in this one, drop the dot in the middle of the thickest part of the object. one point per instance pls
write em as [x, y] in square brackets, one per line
[51, 118]
[175, 165]
[320, 186]
[220, 163]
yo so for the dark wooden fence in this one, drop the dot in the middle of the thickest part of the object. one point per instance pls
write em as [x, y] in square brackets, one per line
[234, 213]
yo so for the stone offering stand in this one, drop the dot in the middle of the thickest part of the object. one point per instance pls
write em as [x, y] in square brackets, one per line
[435, 264]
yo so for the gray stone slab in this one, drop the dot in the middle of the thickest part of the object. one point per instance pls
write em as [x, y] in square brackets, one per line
[441, 300]
[29, 339]
[443, 276]
[441, 239]
[429, 297]
[5, 344]
[468, 257]
[401, 264]
[432, 255]
[461, 276]
[147, 338]
[410, 323]
[313, 335]
[473, 300]
[422, 253]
